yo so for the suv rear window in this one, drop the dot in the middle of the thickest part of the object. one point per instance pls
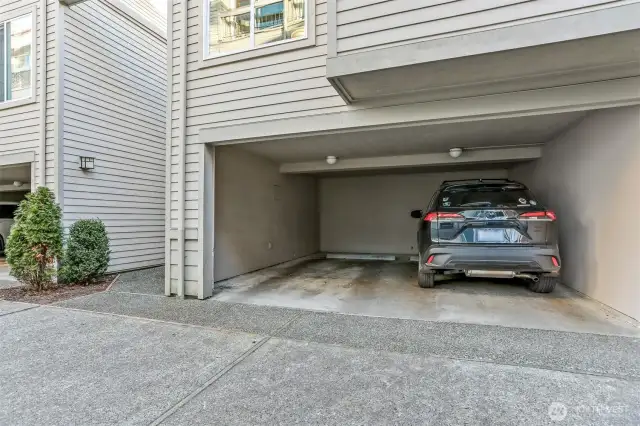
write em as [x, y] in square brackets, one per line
[500, 195]
[7, 210]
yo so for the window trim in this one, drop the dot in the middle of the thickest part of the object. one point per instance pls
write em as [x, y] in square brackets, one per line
[206, 60]
[13, 103]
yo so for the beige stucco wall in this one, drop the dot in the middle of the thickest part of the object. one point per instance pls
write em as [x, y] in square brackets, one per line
[262, 217]
[591, 177]
[370, 214]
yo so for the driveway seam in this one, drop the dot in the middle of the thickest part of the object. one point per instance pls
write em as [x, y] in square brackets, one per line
[168, 413]
[630, 378]
[21, 310]
[182, 324]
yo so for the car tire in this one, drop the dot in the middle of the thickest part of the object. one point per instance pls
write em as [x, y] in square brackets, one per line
[545, 285]
[426, 279]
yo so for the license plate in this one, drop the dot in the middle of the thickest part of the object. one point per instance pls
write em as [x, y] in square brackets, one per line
[490, 235]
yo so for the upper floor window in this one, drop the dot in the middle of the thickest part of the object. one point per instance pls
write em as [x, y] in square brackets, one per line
[240, 25]
[16, 58]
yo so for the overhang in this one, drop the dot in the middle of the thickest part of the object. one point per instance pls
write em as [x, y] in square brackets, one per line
[592, 46]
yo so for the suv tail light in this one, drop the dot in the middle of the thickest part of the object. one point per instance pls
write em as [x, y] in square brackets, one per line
[440, 215]
[548, 215]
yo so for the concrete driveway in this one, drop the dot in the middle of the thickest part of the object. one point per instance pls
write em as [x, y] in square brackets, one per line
[132, 358]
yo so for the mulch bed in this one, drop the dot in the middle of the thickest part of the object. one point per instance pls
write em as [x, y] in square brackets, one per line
[55, 294]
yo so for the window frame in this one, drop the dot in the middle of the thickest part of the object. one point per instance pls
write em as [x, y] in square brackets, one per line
[208, 60]
[18, 13]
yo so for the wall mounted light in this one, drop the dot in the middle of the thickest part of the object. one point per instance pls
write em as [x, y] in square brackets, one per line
[332, 160]
[17, 183]
[87, 163]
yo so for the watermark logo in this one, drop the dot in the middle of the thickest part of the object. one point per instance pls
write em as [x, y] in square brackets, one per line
[557, 411]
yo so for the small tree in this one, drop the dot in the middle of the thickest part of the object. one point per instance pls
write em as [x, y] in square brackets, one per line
[87, 254]
[35, 242]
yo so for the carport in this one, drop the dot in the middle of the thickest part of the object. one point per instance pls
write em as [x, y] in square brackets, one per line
[15, 182]
[291, 229]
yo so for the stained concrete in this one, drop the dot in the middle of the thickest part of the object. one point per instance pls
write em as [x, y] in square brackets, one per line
[390, 289]
[287, 382]
[67, 367]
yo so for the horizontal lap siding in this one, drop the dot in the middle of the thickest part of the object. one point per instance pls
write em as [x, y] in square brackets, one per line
[365, 25]
[156, 16]
[20, 126]
[115, 109]
[282, 85]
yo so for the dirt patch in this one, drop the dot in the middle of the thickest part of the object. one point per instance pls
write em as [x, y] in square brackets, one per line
[56, 294]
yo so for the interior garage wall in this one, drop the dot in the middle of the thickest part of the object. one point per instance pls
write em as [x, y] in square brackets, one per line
[262, 217]
[13, 195]
[590, 177]
[370, 214]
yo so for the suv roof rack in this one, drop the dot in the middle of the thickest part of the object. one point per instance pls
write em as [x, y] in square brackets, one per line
[471, 181]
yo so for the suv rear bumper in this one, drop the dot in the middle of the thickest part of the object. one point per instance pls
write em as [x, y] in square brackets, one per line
[499, 258]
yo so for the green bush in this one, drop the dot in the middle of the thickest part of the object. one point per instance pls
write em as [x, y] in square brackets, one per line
[87, 254]
[35, 242]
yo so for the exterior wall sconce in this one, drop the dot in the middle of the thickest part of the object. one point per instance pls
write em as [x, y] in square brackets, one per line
[87, 163]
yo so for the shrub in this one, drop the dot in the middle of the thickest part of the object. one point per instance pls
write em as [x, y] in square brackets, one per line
[35, 242]
[87, 254]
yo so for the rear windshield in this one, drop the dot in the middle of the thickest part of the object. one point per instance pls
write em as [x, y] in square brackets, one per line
[486, 196]
[7, 210]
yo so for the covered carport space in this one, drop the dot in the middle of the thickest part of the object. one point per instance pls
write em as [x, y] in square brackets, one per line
[16, 171]
[341, 238]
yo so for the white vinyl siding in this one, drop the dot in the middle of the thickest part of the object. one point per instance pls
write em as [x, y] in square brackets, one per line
[286, 84]
[114, 110]
[365, 25]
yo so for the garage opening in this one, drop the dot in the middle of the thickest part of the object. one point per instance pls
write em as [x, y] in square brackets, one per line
[15, 184]
[293, 228]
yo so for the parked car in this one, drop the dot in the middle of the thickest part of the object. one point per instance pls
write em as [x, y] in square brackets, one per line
[493, 228]
[7, 209]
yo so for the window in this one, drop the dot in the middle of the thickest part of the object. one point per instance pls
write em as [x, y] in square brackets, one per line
[240, 25]
[506, 195]
[16, 58]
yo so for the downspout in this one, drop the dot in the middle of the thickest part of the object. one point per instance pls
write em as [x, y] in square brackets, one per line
[167, 190]
[183, 147]
[42, 177]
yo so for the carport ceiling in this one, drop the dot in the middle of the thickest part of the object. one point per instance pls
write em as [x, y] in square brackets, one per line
[10, 174]
[527, 130]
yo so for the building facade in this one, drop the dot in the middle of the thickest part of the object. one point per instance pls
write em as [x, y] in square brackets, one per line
[88, 79]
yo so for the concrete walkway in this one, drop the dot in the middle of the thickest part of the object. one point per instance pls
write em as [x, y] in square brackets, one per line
[124, 358]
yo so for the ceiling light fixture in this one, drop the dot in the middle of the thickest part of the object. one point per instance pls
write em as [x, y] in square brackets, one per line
[455, 152]
[17, 183]
[331, 160]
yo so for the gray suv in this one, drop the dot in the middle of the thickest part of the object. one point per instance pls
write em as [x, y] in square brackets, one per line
[492, 228]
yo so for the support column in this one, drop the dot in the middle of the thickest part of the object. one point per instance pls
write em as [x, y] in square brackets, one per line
[206, 220]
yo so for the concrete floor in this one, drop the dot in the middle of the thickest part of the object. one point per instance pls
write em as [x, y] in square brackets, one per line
[390, 290]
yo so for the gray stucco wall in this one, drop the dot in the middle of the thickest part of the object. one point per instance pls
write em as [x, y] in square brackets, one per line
[590, 177]
[262, 217]
[370, 214]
